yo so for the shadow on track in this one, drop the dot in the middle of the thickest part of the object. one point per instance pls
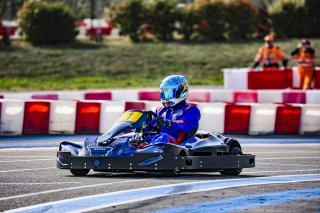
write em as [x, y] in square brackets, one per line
[183, 176]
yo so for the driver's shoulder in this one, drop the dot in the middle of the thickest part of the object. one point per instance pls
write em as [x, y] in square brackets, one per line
[159, 109]
[192, 107]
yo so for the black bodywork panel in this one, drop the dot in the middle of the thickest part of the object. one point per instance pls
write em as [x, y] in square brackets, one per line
[155, 162]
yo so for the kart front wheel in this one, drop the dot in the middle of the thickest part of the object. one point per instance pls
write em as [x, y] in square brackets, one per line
[79, 172]
[171, 173]
[237, 171]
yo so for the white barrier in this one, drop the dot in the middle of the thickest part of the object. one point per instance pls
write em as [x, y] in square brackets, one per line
[221, 96]
[270, 96]
[212, 117]
[313, 96]
[110, 113]
[262, 119]
[153, 105]
[71, 95]
[128, 95]
[62, 117]
[235, 78]
[197, 95]
[310, 119]
[295, 77]
[18, 96]
[12, 112]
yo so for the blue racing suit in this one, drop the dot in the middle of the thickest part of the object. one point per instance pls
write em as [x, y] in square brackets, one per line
[184, 119]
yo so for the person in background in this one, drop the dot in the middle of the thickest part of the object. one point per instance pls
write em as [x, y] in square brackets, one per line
[305, 56]
[270, 55]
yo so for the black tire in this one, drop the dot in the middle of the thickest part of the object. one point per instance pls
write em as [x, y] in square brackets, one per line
[80, 172]
[237, 171]
[170, 173]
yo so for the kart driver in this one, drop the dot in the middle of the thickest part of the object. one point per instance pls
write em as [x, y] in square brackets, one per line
[177, 119]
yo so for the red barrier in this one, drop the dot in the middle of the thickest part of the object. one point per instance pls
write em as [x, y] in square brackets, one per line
[287, 120]
[140, 105]
[45, 96]
[294, 97]
[98, 96]
[270, 79]
[93, 31]
[87, 118]
[237, 119]
[317, 79]
[99, 31]
[149, 95]
[36, 118]
[199, 96]
[7, 30]
[245, 96]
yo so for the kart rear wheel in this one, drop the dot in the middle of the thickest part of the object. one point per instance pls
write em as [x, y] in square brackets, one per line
[233, 172]
[79, 172]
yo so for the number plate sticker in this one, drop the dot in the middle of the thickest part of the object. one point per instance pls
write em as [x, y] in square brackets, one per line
[130, 117]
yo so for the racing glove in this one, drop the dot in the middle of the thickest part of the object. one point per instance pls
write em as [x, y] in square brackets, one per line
[255, 65]
[161, 122]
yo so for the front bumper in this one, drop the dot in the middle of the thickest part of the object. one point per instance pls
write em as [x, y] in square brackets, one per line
[155, 162]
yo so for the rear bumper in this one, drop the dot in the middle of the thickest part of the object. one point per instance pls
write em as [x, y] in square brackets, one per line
[155, 162]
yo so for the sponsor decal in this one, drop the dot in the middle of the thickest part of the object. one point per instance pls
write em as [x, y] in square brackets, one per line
[178, 113]
[178, 121]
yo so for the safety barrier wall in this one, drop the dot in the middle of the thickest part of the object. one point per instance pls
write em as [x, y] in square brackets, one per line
[195, 95]
[41, 117]
[245, 78]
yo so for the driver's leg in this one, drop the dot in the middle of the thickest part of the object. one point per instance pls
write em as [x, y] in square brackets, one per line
[164, 138]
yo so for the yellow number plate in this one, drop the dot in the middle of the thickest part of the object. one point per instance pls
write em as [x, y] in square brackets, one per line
[130, 117]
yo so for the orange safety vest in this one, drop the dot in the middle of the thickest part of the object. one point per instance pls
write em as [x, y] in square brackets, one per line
[270, 55]
[305, 58]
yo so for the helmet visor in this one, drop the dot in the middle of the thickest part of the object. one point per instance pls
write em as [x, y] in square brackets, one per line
[167, 95]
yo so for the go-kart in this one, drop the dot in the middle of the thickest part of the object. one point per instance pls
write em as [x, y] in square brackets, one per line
[116, 151]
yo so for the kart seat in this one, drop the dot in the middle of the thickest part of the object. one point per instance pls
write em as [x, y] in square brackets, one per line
[190, 134]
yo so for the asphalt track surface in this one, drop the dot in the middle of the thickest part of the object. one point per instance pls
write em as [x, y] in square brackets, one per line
[286, 179]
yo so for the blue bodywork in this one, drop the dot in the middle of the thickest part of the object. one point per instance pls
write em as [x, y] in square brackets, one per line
[117, 142]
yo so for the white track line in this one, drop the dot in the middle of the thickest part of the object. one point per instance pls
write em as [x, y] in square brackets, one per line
[31, 149]
[105, 200]
[26, 156]
[288, 158]
[33, 160]
[268, 145]
[288, 152]
[282, 171]
[67, 189]
[285, 164]
[40, 183]
[23, 170]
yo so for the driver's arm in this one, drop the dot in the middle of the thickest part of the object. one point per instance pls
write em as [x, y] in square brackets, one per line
[187, 122]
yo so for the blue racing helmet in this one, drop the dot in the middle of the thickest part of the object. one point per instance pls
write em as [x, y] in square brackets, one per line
[173, 90]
